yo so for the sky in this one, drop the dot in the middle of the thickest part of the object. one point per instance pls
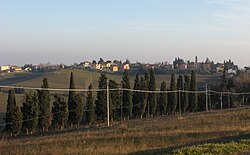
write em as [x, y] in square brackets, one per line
[62, 31]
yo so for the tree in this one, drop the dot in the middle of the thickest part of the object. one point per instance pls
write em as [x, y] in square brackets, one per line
[180, 94]
[101, 102]
[30, 113]
[193, 98]
[75, 106]
[114, 103]
[173, 94]
[13, 115]
[136, 96]
[127, 95]
[44, 106]
[60, 111]
[224, 81]
[186, 94]
[143, 97]
[146, 85]
[152, 98]
[163, 100]
[90, 114]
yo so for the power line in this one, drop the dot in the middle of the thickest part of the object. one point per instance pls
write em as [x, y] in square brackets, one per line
[123, 89]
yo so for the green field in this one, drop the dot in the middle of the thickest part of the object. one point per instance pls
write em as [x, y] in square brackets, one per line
[221, 131]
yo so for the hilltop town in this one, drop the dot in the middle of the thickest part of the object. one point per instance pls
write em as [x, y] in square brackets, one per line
[116, 66]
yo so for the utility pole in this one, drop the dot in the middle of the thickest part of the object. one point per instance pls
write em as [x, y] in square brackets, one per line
[148, 109]
[206, 99]
[179, 101]
[221, 101]
[243, 98]
[210, 99]
[108, 101]
[121, 103]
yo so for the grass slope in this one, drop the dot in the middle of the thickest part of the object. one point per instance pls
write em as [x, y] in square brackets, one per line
[60, 78]
[229, 148]
[160, 135]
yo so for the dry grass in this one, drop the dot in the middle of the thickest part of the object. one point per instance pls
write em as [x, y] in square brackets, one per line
[147, 136]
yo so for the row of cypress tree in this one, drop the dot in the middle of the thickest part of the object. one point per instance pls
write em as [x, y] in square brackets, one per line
[36, 113]
[143, 100]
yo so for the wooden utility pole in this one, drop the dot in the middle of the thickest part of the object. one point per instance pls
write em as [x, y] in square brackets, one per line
[221, 101]
[108, 101]
[121, 104]
[206, 99]
[179, 101]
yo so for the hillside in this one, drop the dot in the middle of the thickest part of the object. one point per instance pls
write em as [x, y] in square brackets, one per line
[159, 135]
[60, 79]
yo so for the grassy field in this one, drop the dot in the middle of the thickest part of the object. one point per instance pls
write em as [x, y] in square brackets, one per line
[161, 135]
[230, 148]
[60, 79]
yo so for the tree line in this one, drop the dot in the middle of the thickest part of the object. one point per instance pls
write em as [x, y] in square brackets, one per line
[36, 113]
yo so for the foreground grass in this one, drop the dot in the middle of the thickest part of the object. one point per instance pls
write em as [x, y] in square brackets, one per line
[159, 135]
[216, 148]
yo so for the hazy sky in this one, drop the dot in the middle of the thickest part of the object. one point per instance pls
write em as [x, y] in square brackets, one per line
[68, 31]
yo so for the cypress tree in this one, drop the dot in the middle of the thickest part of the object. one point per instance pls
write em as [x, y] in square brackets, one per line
[146, 83]
[193, 98]
[90, 113]
[74, 105]
[186, 94]
[127, 95]
[13, 115]
[60, 111]
[11, 105]
[163, 100]
[180, 94]
[101, 102]
[30, 113]
[34, 112]
[17, 124]
[114, 103]
[143, 97]
[173, 95]
[152, 98]
[44, 106]
[136, 97]
[224, 81]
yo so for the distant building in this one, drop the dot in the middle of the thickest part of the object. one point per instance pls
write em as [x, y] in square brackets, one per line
[16, 69]
[4, 68]
[126, 66]
[115, 68]
[219, 67]
[98, 66]
[85, 64]
[247, 70]
[108, 64]
[206, 67]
